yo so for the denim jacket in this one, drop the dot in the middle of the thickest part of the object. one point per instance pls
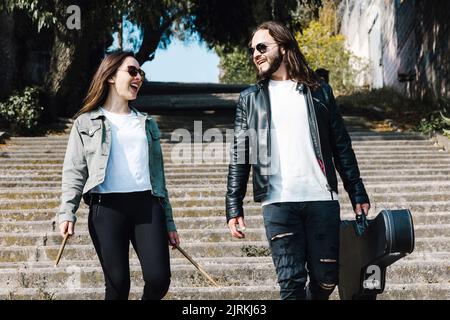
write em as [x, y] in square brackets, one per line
[86, 159]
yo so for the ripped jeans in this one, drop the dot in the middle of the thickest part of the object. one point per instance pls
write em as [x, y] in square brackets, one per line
[304, 240]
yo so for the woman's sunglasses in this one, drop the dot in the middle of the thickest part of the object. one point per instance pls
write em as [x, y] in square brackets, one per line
[133, 71]
[260, 47]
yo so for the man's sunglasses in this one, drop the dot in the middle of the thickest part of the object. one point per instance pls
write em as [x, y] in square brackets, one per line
[133, 71]
[260, 47]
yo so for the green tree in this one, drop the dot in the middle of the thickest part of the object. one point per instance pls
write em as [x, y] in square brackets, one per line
[235, 66]
[76, 53]
[324, 48]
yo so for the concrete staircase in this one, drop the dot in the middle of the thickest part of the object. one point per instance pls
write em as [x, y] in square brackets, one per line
[399, 170]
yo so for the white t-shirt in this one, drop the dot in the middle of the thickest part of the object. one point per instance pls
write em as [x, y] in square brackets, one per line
[295, 174]
[128, 163]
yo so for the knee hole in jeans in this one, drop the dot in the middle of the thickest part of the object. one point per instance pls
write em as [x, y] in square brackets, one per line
[328, 286]
[281, 235]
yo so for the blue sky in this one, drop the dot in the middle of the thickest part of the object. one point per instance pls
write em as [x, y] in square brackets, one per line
[189, 61]
[183, 62]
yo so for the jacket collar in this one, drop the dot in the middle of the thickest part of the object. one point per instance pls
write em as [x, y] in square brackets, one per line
[265, 82]
[97, 113]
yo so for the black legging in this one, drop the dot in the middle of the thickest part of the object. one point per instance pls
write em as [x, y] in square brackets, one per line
[114, 220]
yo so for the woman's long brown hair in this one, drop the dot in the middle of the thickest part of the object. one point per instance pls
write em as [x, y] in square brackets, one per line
[98, 90]
[297, 66]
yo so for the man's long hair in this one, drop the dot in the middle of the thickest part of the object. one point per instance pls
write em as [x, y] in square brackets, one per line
[297, 66]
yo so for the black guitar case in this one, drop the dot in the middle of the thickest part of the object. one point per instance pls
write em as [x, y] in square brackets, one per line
[368, 247]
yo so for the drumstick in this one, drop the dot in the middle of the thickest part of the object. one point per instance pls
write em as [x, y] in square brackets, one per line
[203, 272]
[61, 249]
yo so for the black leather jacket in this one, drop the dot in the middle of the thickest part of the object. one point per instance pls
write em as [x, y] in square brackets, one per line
[331, 142]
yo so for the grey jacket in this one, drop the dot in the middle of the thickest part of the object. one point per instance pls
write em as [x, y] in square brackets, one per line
[87, 155]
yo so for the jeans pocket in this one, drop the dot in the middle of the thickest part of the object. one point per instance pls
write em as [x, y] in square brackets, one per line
[94, 209]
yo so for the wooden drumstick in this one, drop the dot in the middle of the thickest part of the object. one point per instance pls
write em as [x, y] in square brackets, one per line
[199, 268]
[61, 249]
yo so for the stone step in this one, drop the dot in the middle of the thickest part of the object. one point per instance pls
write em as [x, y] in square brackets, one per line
[220, 158]
[49, 224]
[58, 152]
[170, 139]
[364, 132]
[171, 133]
[179, 261]
[220, 183]
[381, 152]
[49, 212]
[47, 142]
[42, 168]
[439, 158]
[188, 235]
[205, 191]
[55, 173]
[416, 257]
[360, 147]
[360, 150]
[199, 147]
[410, 291]
[173, 138]
[226, 275]
[222, 169]
[400, 170]
[234, 248]
[211, 176]
[21, 201]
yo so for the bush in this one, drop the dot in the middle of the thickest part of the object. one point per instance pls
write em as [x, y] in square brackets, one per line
[323, 49]
[236, 66]
[437, 121]
[23, 112]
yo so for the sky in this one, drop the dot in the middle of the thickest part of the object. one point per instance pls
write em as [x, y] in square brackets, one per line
[183, 62]
[180, 62]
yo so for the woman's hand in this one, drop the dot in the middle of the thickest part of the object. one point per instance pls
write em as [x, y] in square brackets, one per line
[66, 226]
[173, 238]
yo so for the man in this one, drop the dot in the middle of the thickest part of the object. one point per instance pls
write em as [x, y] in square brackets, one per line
[289, 130]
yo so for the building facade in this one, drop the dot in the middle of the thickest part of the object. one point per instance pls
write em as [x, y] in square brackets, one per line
[405, 43]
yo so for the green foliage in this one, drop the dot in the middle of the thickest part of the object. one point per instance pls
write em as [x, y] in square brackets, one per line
[255, 251]
[235, 66]
[323, 49]
[411, 114]
[23, 111]
[431, 124]
[40, 11]
[305, 13]
[320, 44]
[438, 120]
[230, 23]
[446, 122]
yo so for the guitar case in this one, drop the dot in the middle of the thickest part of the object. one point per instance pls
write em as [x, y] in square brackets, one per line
[368, 247]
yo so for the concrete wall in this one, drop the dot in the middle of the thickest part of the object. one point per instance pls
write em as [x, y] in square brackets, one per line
[414, 43]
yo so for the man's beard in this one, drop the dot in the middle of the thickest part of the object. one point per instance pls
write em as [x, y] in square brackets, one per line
[274, 65]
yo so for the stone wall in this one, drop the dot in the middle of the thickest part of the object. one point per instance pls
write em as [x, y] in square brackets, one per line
[414, 43]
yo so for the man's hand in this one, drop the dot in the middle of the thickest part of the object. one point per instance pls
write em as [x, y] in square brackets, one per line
[362, 207]
[233, 224]
[66, 226]
[174, 239]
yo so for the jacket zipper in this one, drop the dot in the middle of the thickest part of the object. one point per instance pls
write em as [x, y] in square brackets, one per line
[269, 141]
[150, 146]
[321, 162]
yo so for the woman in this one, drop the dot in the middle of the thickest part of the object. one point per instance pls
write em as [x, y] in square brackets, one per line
[114, 161]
